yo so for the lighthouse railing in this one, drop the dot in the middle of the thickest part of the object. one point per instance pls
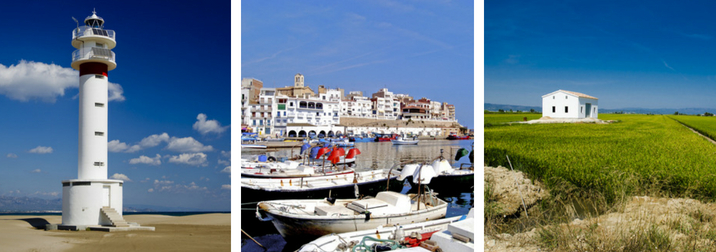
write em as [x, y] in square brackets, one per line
[92, 31]
[93, 53]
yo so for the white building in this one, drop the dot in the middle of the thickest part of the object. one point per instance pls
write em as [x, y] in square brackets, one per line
[298, 117]
[92, 199]
[262, 113]
[357, 106]
[568, 104]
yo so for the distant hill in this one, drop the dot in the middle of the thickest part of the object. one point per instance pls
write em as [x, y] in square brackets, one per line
[663, 111]
[505, 107]
[19, 204]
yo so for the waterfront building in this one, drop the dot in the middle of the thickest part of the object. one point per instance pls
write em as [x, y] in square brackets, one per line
[263, 111]
[568, 104]
[299, 89]
[357, 106]
[250, 91]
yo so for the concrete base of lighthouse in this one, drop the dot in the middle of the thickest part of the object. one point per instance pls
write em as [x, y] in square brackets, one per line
[82, 201]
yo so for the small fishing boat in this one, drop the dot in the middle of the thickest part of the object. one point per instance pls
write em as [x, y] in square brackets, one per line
[402, 141]
[350, 185]
[379, 137]
[454, 136]
[449, 181]
[253, 146]
[429, 234]
[288, 169]
[299, 219]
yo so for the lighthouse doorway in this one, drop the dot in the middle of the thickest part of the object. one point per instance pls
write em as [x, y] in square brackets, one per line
[105, 196]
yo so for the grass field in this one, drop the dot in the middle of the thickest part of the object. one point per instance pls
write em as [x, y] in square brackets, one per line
[495, 119]
[639, 153]
[706, 125]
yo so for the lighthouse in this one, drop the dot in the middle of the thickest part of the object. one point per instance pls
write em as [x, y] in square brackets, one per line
[92, 199]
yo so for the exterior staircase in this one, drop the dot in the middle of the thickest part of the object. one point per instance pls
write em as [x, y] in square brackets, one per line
[114, 217]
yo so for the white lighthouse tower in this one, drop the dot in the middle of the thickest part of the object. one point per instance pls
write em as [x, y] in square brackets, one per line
[92, 199]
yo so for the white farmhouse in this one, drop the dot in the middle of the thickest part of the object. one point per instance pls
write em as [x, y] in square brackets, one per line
[568, 104]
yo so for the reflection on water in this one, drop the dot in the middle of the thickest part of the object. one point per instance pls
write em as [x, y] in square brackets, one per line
[373, 156]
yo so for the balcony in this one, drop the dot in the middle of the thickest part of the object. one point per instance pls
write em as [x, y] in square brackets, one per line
[86, 32]
[93, 54]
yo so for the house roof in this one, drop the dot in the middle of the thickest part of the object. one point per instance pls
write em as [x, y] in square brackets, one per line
[573, 93]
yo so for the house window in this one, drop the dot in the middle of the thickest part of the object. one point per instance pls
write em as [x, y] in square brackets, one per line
[581, 109]
[554, 109]
[566, 109]
[565, 97]
[553, 97]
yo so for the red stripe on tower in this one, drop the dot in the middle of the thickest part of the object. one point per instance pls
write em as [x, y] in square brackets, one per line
[93, 68]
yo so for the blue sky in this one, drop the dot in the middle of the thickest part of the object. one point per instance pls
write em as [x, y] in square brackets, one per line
[420, 48]
[169, 109]
[655, 54]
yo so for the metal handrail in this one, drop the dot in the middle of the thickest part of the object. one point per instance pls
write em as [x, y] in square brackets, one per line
[81, 54]
[87, 31]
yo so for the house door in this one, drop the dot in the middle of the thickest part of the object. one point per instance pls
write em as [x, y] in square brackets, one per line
[105, 196]
[588, 110]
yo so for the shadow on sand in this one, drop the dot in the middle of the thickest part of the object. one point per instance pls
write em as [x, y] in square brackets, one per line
[37, 223]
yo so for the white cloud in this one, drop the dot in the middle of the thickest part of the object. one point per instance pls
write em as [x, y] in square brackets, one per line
[117, 146]
[53, 194]
[150, 190]
[115, 92]
[120, 177]
[225, 154]
[195, 159]
[227, 170]
[169, 186]
[227, 187]
[36, 171]
[11, 155]
[36, 80]
[187, 144]
[154, 140]
[211, 126]
[41, 150]
[146, 160]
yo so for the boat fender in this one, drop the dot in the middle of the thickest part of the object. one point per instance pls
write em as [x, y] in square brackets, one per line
[258, 215]
[271, 159]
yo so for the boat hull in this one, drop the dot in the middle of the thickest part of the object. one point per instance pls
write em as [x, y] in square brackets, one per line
[398, 142]
[449, 185]
[302, 229]
[370, 188]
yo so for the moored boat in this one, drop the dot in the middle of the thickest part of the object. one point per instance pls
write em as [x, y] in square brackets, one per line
[396, 237]
[336, 185]
[448, 181]
[402, 141]
[300, 219]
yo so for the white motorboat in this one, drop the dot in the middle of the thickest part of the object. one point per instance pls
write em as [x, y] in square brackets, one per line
[399, 236]
[351, 184]
[312, 218]
[403, 141]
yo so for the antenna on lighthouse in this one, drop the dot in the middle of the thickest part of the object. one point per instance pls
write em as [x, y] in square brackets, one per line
[78, 23]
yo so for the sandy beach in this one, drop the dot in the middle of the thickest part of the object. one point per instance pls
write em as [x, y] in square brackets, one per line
[203, 232]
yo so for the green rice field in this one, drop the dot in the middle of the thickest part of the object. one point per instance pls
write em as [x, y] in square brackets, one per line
[705, 125]
[622, 158]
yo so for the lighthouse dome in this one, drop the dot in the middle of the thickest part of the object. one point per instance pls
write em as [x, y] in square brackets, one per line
[94, 20]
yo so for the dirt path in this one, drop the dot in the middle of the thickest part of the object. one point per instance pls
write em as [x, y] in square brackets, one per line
[699, 133]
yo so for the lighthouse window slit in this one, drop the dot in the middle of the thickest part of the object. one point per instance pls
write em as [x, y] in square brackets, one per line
[81, 183]
[99, 76]
[99, 105]
[98, 163]
[65, 183]
[98, 133]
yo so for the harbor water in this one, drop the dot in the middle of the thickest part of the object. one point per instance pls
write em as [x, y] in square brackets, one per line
[374, 156]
